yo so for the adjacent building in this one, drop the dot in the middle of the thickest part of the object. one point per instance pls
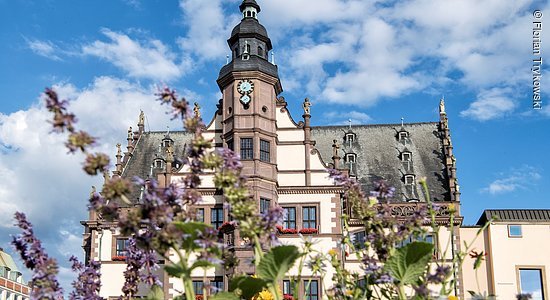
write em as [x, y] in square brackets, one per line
[12, 286]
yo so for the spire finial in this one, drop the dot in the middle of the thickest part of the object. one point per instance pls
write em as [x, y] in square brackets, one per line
[273, 57]
[197, 110]
[442, 106]
[349, 121]
[167, 130]
[402, 121]
[227, 59]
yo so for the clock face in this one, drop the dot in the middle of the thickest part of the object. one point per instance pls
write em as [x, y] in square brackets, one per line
[245, 87]
[245, 99]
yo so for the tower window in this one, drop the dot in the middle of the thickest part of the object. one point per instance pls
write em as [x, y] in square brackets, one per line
[264, 151]
[403, 136]
[158, 164]
[260, 52]
[351, 157]
[406, 156]
[247, 148]
[264, 205]
[409, 179]
[230, 144]
[249, 14]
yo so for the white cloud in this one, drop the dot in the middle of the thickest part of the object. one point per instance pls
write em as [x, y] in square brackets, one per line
[344, 118]
[141, 59]
[489, 105]
[44, 48]
[38, 177]
[207, 29]
[519, 178]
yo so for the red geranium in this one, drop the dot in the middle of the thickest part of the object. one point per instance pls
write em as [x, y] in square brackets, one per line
[286, 230]
[118, 258]
[308, 230]
[288, 297]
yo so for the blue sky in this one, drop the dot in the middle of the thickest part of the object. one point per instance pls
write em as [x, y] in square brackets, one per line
[373, 62]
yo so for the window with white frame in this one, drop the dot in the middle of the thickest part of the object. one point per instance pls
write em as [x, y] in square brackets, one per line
[409, 179]
[514, 230]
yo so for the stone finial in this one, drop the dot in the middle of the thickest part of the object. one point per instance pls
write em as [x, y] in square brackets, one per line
[306, 105]
[197, 110]
[335, 156]
[141, 121]
[442, 106]
[130, 135]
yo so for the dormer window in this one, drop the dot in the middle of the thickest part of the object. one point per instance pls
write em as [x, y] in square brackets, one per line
[350, 137]
[159, 164]
[403, 135]
[351, 157]
[406, 156]
[409, 179]
[166, 143]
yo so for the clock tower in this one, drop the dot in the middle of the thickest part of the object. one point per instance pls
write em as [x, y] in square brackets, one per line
[250, 85]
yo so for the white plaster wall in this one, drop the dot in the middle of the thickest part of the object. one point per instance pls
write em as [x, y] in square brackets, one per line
[291, 157]
[296, 135]
[296, 179]
[112, 279]
[532, 249]
[283, 120]
[321, 179]
[105, 244]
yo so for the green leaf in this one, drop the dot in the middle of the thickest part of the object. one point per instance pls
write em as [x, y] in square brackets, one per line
[408, 263]
[249, 286]
[175, 270]
[201, 264]
[224, 296]
[155, 293]
[277, 262]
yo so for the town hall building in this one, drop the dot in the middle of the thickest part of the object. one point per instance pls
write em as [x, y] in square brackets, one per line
[285, 160]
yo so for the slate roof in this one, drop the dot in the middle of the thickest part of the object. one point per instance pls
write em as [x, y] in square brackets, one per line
[147, 149]
[378, 156]
[515, 215]
[377, 149]
[254, 63]
[7, 261]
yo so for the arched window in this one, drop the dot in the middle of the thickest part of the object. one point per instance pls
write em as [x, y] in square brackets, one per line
[253, 14]
[249, 14]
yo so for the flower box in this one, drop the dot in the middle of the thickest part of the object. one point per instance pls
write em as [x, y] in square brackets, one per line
[308, 231]
[226, 227]
[282, 230]
[199, 297]
[118, 258]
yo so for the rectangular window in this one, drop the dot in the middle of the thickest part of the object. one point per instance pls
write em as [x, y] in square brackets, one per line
[309, 215]
[530, 282]
[216, 285]
[247, 148]
[264, 150]
[287, 288]
[230, 145]
[514, 231]
[121, 247]
[359, 239]
[200, 215]
[429, 238]
[264, 205]
[216, 217]
[289, 220]
[198, 287]
[311, 291]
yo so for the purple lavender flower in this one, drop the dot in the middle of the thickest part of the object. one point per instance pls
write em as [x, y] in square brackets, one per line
[231, 160]
[88, 283]
[141, 265]
[422, 291]
[44, 282]
[61, 119]
[440, 275]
